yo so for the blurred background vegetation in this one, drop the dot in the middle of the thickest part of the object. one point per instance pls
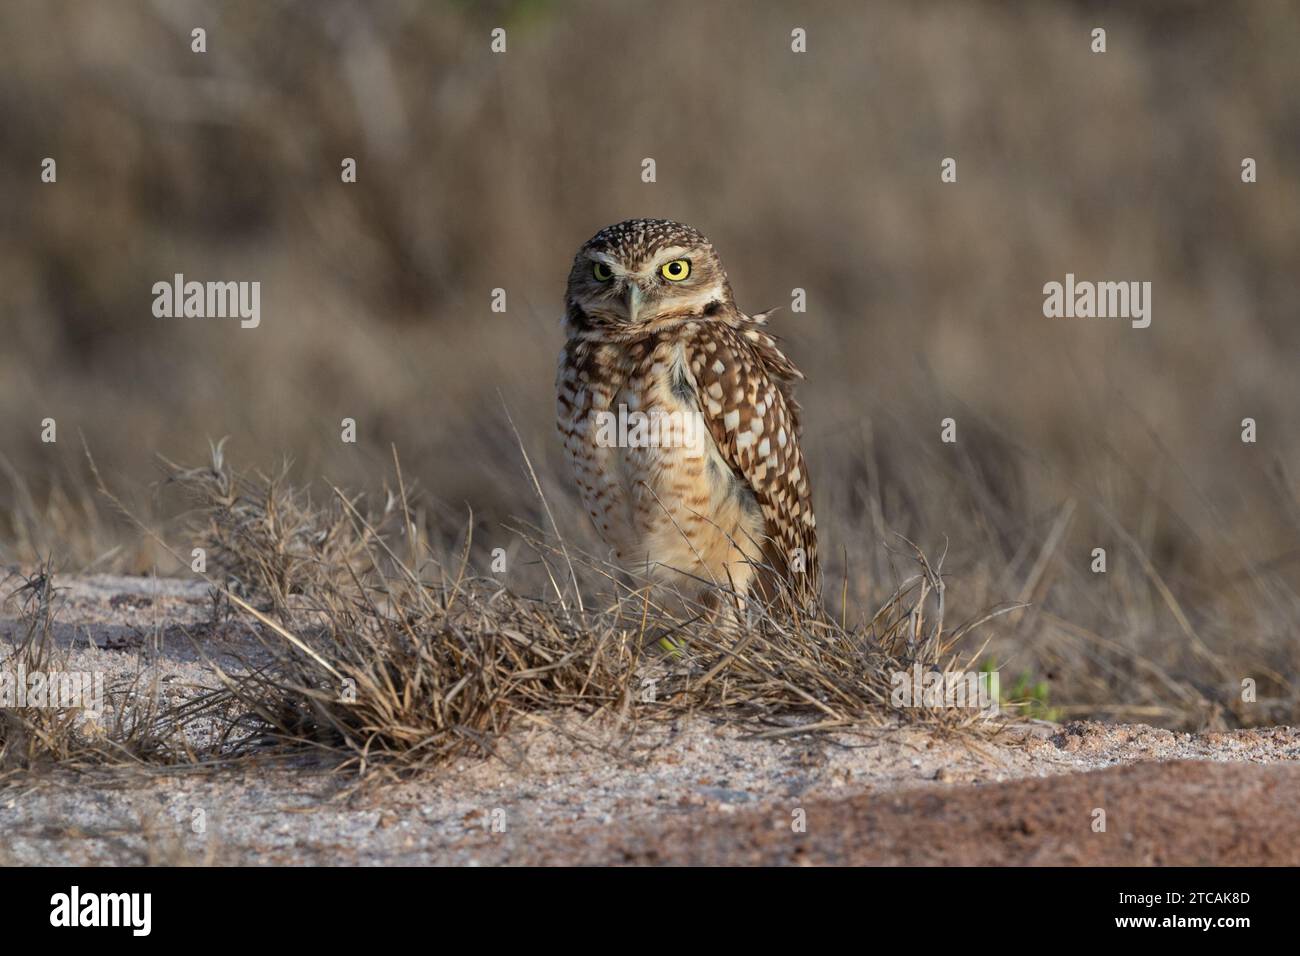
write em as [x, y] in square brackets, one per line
[816, 170]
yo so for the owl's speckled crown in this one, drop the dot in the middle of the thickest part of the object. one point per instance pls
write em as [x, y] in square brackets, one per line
[634, 239]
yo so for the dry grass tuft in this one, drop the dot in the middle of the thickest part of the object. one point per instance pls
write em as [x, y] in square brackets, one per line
[378, 651]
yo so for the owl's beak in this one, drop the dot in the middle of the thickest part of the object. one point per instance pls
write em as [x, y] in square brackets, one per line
[634, 298]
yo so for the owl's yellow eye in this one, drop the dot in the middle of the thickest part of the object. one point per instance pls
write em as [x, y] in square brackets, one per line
[602, 272]
[675, 271]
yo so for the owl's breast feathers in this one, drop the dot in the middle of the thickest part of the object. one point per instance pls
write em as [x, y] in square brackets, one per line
[731, 371]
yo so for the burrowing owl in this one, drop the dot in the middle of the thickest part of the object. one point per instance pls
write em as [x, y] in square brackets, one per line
[678, 417]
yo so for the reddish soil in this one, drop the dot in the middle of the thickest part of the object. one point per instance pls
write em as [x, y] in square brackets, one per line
[1180, 813]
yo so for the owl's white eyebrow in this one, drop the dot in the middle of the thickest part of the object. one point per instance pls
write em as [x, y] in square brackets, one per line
[607, 259]
[671, 253]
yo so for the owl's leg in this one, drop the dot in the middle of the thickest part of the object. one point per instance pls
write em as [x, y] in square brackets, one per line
[729, 601]
[667, 606]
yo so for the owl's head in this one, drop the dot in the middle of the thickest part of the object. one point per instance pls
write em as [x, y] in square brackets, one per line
[640, 274]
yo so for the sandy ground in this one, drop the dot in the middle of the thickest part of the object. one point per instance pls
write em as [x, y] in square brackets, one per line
[696, 791]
